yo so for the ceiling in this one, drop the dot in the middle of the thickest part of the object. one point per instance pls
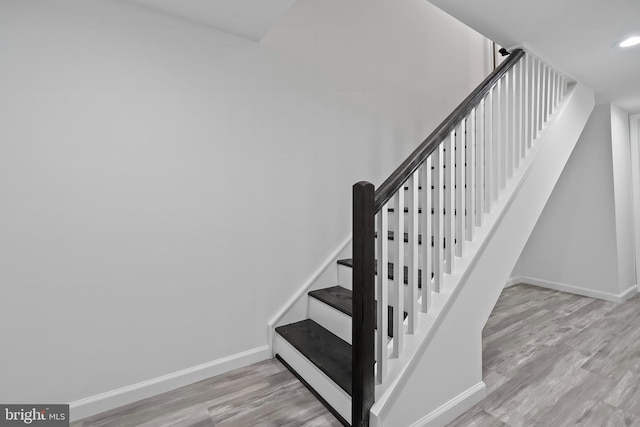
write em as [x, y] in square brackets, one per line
[250, 19]
[578, 37]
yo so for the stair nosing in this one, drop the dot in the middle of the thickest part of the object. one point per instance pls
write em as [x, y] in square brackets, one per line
[316, 294]
[336, 340]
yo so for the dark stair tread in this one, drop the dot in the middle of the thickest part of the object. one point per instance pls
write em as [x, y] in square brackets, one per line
[337, 297]
[331, 354]
[348, 262]
[342, 300]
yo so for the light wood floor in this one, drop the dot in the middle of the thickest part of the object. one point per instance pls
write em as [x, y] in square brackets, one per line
[557, 359]
[264, 394]
[550, 359]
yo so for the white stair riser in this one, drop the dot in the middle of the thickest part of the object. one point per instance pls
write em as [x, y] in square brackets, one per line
[345, 276]
[323, 385]
[339, 323]
[331, 319]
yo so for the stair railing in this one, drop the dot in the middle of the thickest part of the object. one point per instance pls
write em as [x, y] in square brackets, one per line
[454, 178]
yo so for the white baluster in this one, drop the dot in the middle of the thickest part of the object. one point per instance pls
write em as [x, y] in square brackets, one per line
[532, 102]
[537, 103]
[527, 104]
[459, 188]
[398, 275]
[413, 252]
[545, 93]
[426, 180]
[508, 127]
[480, 162]
[515, 141]
[382, 293]
[549, 92]
[496, 144]
[438, 217]
[513, 125]
[554, 90]
[449, 217]
[501, 137]
[470, 174]
[489, 186]
[536, 98]
[519, 132]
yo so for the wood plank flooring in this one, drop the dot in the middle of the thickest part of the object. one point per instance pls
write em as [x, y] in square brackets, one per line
[549, 358]
[265, 394]
[557, 359]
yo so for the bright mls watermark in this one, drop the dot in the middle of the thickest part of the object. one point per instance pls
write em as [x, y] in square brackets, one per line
[34, 415]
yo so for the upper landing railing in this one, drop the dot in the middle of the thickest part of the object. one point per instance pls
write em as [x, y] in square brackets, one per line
[445, 188]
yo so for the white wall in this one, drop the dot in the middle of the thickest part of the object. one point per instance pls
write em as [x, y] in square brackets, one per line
[166, 187]
[408, 61]
[583, 242]
[621, 151]
[634, 141]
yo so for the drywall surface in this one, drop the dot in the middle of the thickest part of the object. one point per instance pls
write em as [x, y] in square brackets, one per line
[622, 185]
[251, 19]
[451, 366]
[634, 141]
[574, 241]
[407, 62]
[166, 187]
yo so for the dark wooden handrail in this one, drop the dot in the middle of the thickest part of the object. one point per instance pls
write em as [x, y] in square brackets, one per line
[397, 179]
[366, 203]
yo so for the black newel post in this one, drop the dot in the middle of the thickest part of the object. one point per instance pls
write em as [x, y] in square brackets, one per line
[363, 321]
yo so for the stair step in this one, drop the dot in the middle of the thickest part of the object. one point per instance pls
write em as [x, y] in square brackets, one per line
[342, 300]
[337, 297]
[348, 262]
[325, 350]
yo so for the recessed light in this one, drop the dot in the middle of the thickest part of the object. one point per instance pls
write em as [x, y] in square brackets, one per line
[631, 41]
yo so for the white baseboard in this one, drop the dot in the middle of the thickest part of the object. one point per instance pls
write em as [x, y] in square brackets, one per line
[123, 396]
[625, 295]
[512, 282]
[454, 408]
[607, 296]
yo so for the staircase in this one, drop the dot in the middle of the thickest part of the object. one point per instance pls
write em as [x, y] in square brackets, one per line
[424, 252]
